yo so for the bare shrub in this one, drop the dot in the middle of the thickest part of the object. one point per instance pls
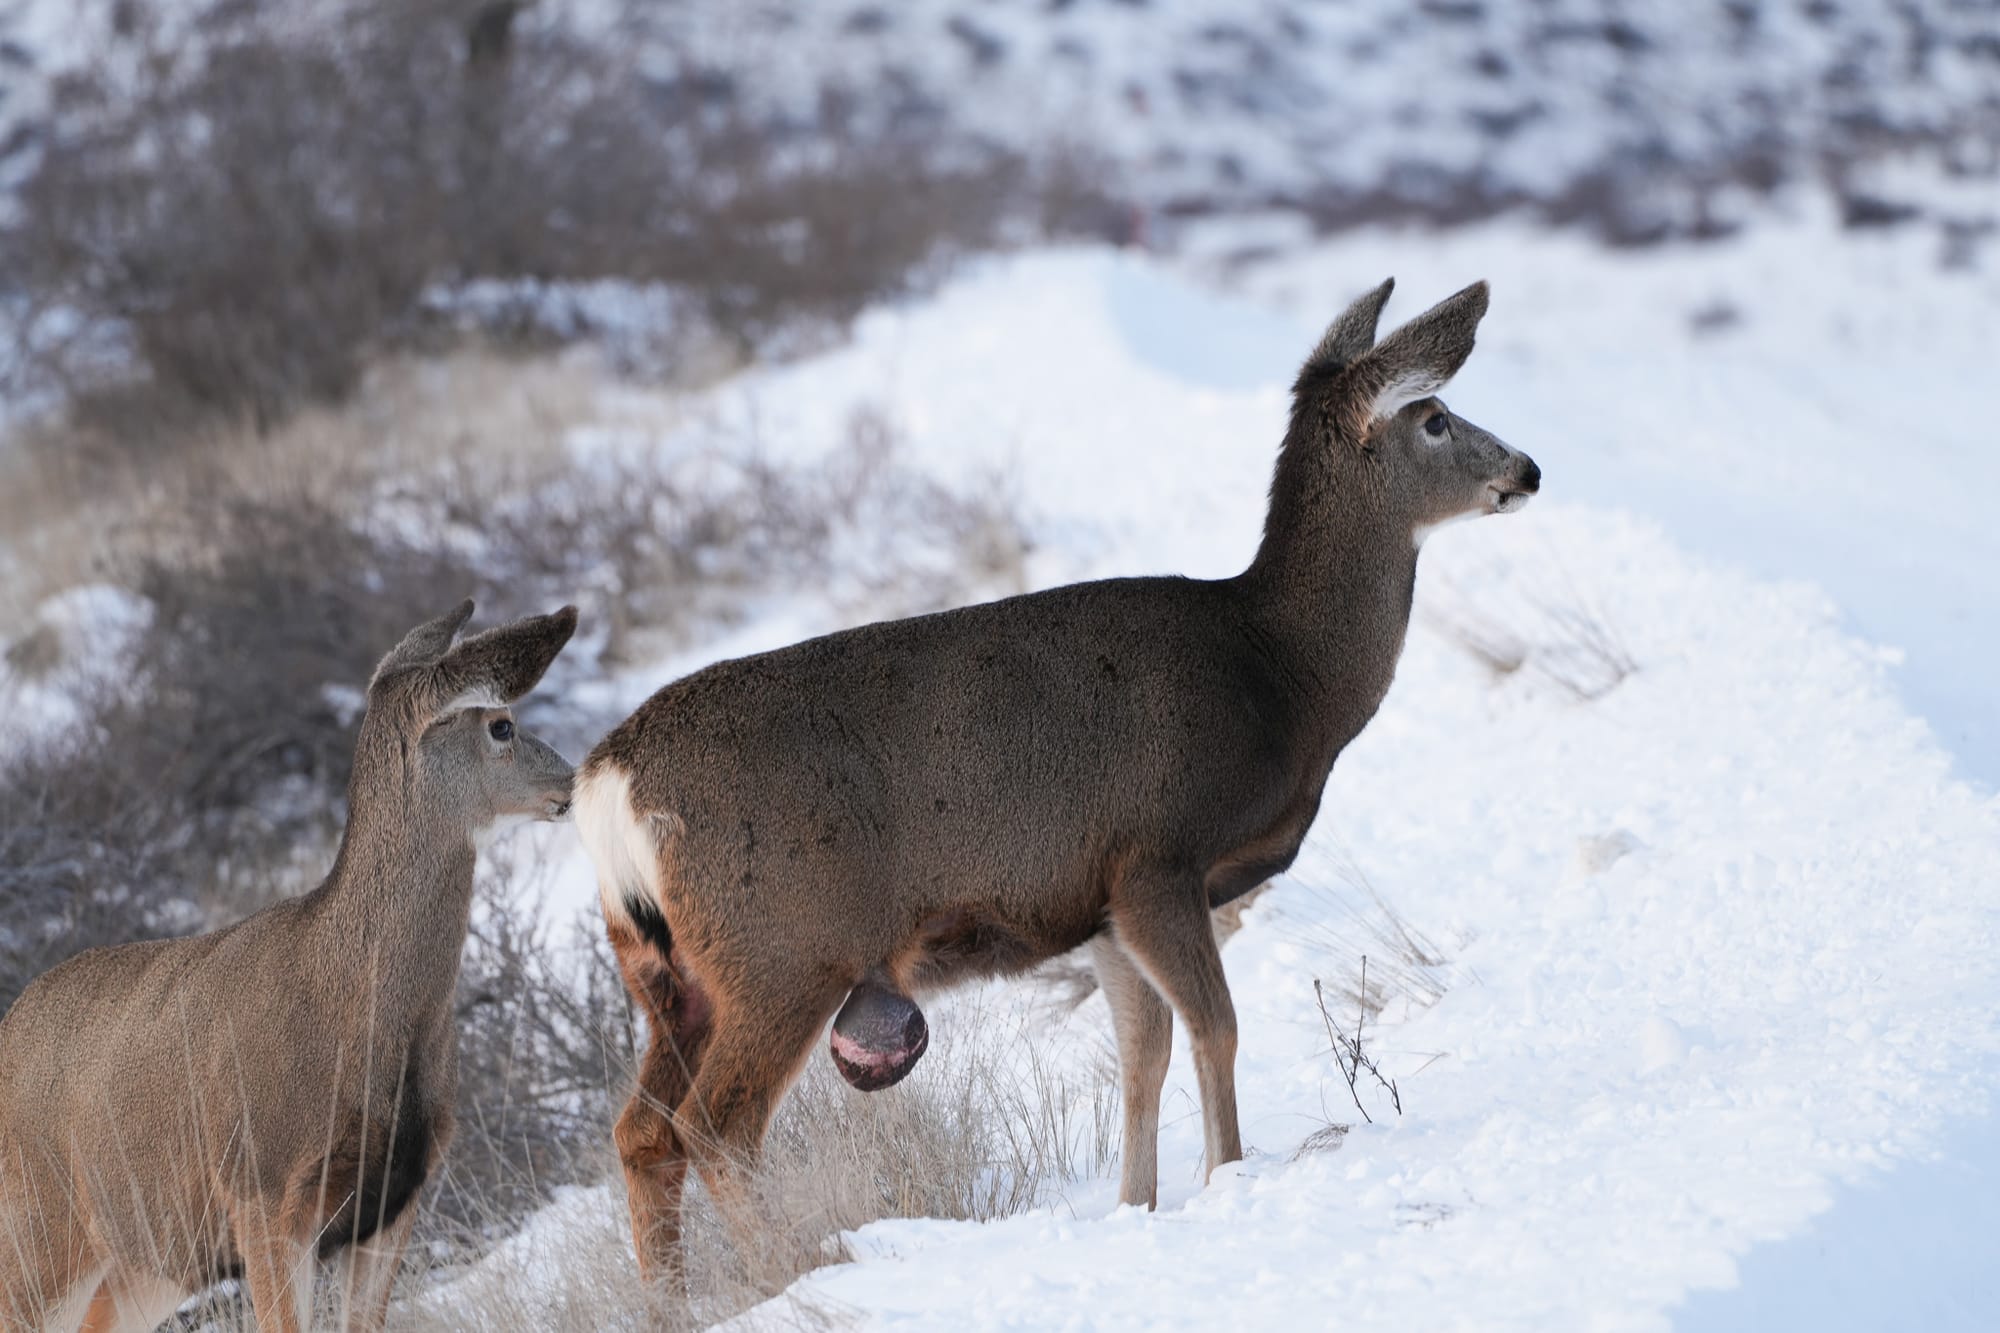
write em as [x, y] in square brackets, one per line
[262, 640]
[87, 853]
[1557, 635]
[660, 543]
[247, 204]
[1350, 1051]
[211, 779]
[278, 569]
[546, 1053]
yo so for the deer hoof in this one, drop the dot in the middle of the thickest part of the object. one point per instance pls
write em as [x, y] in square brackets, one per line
[878, 1036]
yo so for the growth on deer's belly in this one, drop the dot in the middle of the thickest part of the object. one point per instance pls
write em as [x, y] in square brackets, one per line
[878, 1035]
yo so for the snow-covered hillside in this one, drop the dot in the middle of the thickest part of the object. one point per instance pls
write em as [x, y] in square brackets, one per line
[1507, 97]
[1632, 117]
[1719, 940]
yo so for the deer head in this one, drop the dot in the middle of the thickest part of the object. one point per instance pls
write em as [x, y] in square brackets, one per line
[1370, 410]
[440, 720]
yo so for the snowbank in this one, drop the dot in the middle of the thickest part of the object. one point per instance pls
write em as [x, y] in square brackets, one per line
[1648, 1062]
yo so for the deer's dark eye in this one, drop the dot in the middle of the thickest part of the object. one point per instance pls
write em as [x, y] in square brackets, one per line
[1436, 425]
[500, 729]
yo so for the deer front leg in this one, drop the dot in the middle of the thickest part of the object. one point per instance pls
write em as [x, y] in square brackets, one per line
[1145, 1028]
[277, 1268]
[371, 1272]
[1164, 926]
[132, 1303]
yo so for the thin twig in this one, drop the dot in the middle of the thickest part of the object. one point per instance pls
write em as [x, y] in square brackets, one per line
[1349, 1053]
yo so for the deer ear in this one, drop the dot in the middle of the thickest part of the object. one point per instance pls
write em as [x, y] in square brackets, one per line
[424, 644]
[1416, 360]
[500, 665]
[1346, 340]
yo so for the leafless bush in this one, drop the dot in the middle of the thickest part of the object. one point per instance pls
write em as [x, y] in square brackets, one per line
[658, 543]
[220, 752]
[246, 207]
[210, 779]
[87, 854]
[546, 1052]
[1560, 637]
[1373, 961]
[274, 590]
[262, 640]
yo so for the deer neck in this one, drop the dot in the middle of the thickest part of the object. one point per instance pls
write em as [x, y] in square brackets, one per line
[1332, 586]
[396, 908]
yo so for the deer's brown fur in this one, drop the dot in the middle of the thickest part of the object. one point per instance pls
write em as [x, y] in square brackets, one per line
[973, 792]
[245, 1102]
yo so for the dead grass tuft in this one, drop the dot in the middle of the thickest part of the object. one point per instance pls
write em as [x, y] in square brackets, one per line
[1348, 921]
[984, 1128]
[1558, 636]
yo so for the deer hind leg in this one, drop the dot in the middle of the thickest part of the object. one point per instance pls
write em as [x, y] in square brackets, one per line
[1164, 927]
[650, 1150]
[754, 1053]
[1145, 1028]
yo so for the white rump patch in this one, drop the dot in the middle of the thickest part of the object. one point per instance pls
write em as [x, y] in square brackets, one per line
[621, 845]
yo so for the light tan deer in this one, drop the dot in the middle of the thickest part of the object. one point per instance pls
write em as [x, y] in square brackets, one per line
[245, 1102]
[906, 804]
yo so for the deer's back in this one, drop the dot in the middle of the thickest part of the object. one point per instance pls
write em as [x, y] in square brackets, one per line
[979, 777]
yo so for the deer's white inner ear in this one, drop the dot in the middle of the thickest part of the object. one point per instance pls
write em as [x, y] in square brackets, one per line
[1406, 388]
[475, 696]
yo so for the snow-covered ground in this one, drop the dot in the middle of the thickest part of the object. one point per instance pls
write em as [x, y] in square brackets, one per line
[1722, 940]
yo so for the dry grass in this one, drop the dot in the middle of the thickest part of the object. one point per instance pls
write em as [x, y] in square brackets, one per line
[1556, 635]
[1375, 967]
[1349, 921]
[984, 1128]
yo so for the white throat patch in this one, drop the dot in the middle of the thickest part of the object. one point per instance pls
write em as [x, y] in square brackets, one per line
[1424, 530]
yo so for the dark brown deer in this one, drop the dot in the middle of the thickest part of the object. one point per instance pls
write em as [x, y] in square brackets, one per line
[905, 805]
[245, 1102]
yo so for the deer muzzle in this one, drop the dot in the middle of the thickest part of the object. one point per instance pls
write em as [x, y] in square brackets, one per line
[1512, 493]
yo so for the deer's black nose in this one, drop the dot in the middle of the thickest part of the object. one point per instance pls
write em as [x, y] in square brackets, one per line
[1531, 478]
